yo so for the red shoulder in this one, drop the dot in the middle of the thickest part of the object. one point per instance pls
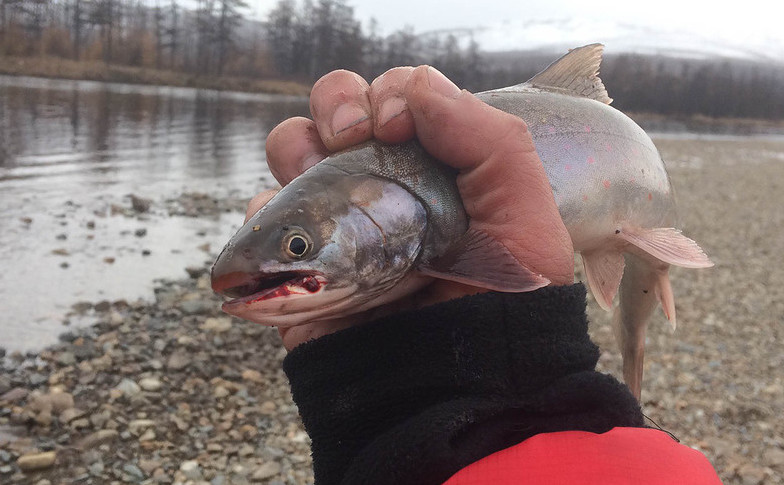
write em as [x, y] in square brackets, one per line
[639, 456]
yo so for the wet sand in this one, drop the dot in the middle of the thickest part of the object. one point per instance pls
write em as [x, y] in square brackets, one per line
[171, 390]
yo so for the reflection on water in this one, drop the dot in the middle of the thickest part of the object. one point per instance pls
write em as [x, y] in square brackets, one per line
[69, 150]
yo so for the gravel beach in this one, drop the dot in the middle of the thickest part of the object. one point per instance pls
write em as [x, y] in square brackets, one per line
[174, 391]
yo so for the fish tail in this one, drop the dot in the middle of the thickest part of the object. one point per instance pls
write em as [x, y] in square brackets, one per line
[644, 284]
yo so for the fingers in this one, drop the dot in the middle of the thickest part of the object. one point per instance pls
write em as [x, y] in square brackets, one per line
[341, 109]
[502, 181]
[292, 147]
[346, 111]
[392, 120]
[257, 202]
[456, 126]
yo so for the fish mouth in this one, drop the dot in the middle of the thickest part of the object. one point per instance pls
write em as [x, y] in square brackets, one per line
[254, 287]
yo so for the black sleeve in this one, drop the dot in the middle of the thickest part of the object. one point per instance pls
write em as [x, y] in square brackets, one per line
[415, 397]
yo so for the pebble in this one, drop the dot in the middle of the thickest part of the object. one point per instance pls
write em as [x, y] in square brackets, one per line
[150, 384]
[266, 471]
[36, 461]
[128, 388]
[217, 325]
[98, 438]
[191, 470]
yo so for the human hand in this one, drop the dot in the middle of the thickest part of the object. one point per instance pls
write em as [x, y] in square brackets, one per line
[501, 179]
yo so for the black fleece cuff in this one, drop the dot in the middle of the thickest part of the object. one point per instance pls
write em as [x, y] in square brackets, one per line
[414, 397]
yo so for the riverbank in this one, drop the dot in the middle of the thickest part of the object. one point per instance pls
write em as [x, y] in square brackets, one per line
[56, 68]
[171, 390]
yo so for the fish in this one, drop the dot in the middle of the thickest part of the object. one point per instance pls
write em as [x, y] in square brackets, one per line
[374, 223]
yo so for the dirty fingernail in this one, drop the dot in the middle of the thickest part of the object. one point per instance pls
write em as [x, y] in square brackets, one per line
[441, 84]
[391, 108]
[346, 116]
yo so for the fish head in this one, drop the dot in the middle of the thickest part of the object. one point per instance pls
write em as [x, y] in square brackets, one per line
[327, 245]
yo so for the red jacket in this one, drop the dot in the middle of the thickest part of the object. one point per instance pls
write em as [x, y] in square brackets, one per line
[638, 456]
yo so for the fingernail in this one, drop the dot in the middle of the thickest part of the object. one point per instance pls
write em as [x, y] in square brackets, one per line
[311, 160]
[441, 84]
[346, 116]
[391, 108]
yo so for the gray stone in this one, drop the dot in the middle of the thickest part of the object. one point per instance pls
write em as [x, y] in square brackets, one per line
[266, 471]
[133, 472]
[129, 388]
[98, 438]
[191, 470]
[178, 361]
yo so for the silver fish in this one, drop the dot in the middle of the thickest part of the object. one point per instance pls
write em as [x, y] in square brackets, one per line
[374, 223]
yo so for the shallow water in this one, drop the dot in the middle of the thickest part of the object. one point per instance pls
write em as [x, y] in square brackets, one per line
[71, 150]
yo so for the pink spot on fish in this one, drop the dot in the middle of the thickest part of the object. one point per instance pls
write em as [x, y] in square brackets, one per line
[650, 196]
[587, 129]
[551, 130]
[585, 198]
[591, 160]
[567, 167]
[606, 184]
[608, 147]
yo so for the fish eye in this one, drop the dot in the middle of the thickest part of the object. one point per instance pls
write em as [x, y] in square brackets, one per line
[297, 245]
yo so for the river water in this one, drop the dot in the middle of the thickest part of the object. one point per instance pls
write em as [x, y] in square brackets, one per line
[71, 151]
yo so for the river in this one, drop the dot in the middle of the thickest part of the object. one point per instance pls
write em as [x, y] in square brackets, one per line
[72, 152]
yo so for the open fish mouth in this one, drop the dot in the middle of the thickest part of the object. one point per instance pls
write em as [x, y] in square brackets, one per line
[254, 287]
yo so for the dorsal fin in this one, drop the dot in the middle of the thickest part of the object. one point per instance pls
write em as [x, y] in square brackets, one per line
[575, 73]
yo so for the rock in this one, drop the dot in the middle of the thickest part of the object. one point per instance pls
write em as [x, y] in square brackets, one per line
[191, 470]
[266, 471]
[128, 388]
[96, 468]
[773, 457]
[14, 395]
[196, 307]
[61, 401]
[140, 204]
[98, 438]
[70, 414]
[195, 271]
[252, 375]
[36, 461]
[751, 474]
[148, 435]
[141, 232]
[217, 325]
[66, 358]
[133, 472]
[178, 361]
[138, 425]
[150, 384]
[220, 392]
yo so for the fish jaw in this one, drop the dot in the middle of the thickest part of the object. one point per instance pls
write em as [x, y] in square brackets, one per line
[299, 300]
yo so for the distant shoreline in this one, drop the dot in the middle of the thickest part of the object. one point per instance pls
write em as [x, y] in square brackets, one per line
[56, 68]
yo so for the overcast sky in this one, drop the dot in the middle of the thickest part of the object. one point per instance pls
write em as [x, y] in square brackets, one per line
[752, 20]
[728, 18]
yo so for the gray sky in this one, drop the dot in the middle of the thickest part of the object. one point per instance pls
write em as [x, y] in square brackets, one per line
[756, 22]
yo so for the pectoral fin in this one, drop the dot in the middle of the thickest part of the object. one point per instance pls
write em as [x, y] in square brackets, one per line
[603, 269]
[479, 260]
[669, 245]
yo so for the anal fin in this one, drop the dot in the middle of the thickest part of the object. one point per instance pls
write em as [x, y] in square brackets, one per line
[668, 245]
[479, 260]
[603, 269]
